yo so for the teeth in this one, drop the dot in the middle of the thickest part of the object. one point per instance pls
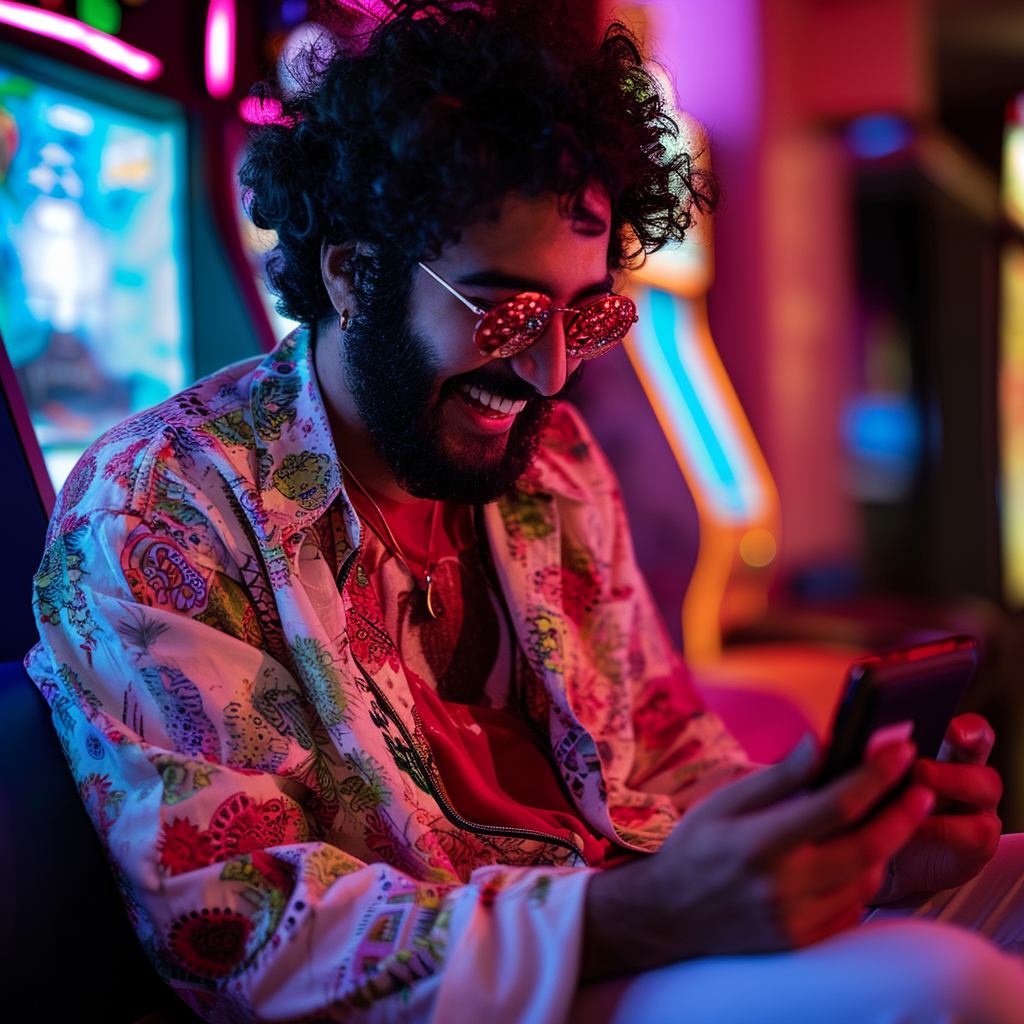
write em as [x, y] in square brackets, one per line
[504, 406]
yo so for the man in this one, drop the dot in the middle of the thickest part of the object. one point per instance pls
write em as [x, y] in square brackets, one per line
[347, 647]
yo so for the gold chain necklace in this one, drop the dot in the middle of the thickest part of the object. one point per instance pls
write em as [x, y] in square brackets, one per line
[396, 548]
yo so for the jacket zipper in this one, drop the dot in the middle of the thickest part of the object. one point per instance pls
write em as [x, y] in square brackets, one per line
[437, 786]
[346, 569]
[430, 772]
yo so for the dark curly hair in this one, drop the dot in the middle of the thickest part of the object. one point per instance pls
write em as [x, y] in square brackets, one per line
[411, 132]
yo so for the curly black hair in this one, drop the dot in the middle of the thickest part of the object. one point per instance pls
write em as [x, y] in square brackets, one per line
[409, 133]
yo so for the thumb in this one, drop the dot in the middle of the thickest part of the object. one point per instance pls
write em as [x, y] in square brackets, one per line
[767, 786]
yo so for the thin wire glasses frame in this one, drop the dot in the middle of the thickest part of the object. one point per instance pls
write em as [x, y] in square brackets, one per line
[515, 324]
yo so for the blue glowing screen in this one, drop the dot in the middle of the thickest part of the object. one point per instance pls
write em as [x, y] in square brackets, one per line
[876, 135]
[93, 300]
[884, 437]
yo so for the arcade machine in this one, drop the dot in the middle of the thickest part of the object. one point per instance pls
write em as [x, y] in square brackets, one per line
[95, 291]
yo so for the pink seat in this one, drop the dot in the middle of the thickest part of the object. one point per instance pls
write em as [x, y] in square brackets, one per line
[769, 695]
[767, 726]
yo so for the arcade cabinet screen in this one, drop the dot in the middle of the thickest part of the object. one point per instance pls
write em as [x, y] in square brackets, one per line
[93, 296]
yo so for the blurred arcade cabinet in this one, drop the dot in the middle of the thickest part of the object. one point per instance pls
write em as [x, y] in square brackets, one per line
[127, 269]
[855, 311]
[127, 266]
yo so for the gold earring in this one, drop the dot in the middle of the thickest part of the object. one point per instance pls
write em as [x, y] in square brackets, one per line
[344, 319]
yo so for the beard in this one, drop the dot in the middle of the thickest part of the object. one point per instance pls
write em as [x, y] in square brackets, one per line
[401, 399]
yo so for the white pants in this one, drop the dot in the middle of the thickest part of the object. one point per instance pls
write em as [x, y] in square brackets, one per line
[956, 959]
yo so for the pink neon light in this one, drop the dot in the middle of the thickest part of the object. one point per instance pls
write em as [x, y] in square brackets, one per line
[106, 48]
[220, 48]
[262, 111]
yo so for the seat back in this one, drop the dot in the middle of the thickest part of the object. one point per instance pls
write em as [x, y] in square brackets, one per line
[65, 937]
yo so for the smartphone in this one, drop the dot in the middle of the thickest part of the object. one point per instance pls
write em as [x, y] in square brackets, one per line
[911, 693]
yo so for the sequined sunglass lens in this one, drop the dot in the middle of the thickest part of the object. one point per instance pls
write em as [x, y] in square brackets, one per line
[513, 325]
[600, 326]
[517, 323]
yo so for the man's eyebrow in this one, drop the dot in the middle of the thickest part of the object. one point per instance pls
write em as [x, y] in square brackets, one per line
[499, 279]
[586, 222]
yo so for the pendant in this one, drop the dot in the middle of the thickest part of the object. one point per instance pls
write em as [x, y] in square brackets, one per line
[430, 596]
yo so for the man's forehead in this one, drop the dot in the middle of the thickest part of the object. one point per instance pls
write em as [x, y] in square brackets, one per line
[527, 223]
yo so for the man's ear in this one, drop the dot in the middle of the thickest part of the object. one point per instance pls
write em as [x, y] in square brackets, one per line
[336, 270]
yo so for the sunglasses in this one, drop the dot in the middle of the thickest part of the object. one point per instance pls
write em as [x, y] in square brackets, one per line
[515, 324]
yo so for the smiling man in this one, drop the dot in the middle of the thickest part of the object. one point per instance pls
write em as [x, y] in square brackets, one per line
[347, 648]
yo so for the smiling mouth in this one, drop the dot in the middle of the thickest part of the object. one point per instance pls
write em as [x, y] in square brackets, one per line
[487, 404]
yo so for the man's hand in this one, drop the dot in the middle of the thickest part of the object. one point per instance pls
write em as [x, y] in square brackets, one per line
[755, 868]
[960, 838]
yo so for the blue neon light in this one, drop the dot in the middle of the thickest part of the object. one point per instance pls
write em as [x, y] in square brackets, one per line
[663, 316]
[876, 135]
[677, 372]
[882, 428]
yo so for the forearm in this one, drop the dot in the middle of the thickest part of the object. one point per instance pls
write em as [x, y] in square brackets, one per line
[621, 934]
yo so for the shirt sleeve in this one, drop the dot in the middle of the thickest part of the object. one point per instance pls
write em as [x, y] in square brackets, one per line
[244, 898]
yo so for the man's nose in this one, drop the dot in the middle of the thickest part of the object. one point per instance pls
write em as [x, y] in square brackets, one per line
[545, 363]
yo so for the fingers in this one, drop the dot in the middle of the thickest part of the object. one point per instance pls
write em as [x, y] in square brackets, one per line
[834, 907]
[838, 862]
[821, 889]
[948, 850]
[765, 787]
[969, 740]
[835, 807]
[977, 786]
[972, 838]
[807, 917]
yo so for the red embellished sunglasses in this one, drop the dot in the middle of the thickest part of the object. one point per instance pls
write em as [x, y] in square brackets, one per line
[515, 324]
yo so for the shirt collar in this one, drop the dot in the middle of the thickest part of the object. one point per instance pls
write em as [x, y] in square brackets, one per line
[298, 474]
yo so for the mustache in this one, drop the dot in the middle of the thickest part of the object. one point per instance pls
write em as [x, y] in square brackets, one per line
[508, 384]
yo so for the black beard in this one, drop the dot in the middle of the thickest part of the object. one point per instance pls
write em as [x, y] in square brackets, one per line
[401, 401]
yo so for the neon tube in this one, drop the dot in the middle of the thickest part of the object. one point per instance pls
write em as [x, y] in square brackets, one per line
[220, 48]
[267, 110]
[104, 47]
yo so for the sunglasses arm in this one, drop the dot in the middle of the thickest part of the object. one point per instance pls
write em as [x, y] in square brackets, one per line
[462, 298]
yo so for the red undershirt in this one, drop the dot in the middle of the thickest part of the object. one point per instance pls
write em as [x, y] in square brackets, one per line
[494, 769]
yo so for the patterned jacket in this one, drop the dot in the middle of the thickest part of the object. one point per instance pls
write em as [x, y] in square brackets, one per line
[240, 726]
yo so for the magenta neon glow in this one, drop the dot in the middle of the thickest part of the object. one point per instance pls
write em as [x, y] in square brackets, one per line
[104, 47]
[262, 111]
[220, 48]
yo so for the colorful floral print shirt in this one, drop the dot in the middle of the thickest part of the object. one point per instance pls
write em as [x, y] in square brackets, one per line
[240, 726]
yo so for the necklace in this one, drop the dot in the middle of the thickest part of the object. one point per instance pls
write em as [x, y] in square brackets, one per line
[396, 548]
